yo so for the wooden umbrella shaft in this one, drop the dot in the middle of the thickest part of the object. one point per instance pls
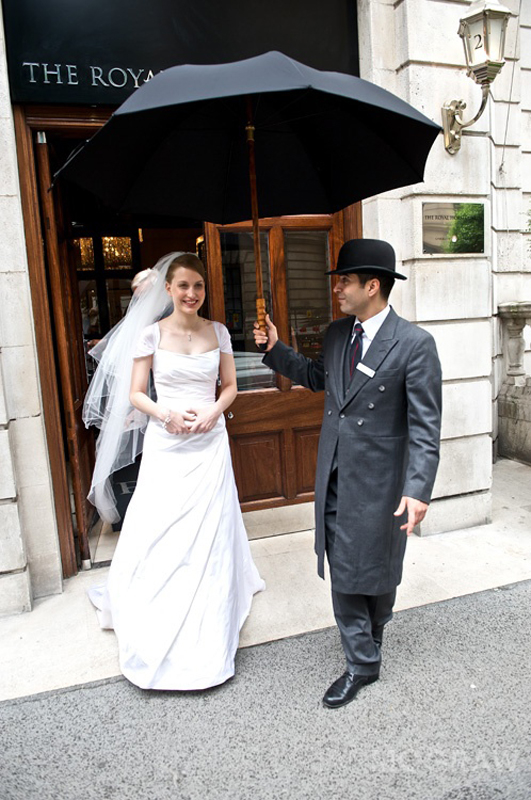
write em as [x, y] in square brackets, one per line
[260, 301]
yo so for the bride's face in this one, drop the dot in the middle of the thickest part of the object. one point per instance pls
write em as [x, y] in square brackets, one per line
[187, 290]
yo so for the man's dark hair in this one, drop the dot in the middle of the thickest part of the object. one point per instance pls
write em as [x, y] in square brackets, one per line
[386, 282]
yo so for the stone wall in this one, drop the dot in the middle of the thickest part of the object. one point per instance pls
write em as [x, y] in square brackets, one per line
[511, 178]
[412, 48]
[514, 399]
[30, 563]
[514, 421]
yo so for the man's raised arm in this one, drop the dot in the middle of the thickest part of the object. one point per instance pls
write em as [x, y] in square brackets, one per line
[285, 360]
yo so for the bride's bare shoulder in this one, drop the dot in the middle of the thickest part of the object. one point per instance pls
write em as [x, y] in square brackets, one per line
[210, 323]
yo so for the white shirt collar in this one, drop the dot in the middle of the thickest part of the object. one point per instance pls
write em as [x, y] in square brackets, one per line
[372, 325]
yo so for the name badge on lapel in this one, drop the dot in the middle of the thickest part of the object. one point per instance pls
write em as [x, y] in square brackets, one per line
[365, 369]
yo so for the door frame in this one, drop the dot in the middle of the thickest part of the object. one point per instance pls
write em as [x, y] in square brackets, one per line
[27, 121]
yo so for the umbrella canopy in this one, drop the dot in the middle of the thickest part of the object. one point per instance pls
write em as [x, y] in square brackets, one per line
[323, 140]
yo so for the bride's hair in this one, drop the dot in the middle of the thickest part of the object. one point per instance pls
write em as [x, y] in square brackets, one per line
[189, 261]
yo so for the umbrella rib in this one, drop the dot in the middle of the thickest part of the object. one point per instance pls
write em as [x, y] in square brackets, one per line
[227, 172]
[288, 121]
[290, 103]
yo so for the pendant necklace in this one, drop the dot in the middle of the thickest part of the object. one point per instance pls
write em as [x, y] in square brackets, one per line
[190, 335]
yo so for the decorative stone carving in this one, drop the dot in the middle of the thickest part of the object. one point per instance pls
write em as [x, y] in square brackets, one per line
[514, 400]
[515, 317]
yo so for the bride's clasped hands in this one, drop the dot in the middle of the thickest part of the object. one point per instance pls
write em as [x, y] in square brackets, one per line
[204, 419]
[193, 420]
[178, 423]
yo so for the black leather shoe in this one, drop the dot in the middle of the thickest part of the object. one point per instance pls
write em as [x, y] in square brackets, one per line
[345, 689]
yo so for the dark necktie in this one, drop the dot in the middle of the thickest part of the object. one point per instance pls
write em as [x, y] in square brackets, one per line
[355, 349]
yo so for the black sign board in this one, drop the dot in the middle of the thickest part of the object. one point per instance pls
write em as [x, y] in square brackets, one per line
[98, 52]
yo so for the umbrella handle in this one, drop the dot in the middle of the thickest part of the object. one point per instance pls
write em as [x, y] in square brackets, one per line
[261, 318]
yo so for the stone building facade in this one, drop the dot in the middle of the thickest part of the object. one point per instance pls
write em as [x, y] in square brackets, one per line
[30, 564]
[411, 48]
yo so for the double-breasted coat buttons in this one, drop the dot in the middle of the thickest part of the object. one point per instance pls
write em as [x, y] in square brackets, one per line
[360, 422]
[381, 388]
[370, 406]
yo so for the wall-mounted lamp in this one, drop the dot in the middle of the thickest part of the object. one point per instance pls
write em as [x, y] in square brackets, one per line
[482, 30]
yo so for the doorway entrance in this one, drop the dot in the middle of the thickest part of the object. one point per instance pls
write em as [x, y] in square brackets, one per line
[80, 285]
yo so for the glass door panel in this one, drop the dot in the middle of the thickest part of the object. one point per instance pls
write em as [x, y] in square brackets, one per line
[119, 295]
[309, 300]
[117, 252]
[90, 315]
[239, 283]
[104, 266]
[83, 253]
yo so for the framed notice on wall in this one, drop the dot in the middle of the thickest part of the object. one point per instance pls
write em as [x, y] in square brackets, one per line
[453, 228]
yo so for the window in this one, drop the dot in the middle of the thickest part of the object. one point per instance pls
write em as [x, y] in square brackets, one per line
[239, 283]
[309, 302]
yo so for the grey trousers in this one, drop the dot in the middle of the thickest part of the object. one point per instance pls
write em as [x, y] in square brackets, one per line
[360, 618]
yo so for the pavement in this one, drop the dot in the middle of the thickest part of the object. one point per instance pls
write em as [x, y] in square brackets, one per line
[449, 719]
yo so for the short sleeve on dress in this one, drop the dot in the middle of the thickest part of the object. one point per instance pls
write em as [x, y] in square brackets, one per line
[225, 344]
[148, 341]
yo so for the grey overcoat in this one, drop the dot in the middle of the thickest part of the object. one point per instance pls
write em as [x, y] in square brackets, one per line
[386, 429]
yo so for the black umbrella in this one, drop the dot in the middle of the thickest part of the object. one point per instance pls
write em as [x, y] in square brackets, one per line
[187, 143]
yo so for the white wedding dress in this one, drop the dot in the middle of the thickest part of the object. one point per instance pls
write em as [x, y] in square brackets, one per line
[182, 578]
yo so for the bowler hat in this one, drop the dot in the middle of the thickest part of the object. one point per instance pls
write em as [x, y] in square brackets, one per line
[372, 256]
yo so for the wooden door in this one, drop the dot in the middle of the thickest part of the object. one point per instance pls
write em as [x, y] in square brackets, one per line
[69, 343]
[274, 427]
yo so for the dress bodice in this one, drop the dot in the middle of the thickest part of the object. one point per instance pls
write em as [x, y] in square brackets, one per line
[182, 380]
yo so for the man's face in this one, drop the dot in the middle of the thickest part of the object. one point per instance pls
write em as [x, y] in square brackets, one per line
[352, 296]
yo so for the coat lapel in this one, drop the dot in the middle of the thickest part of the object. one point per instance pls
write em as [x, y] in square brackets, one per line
[339, 355]
[381, 346]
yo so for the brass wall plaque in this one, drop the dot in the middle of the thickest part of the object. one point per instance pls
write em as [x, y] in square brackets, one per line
[453, 228]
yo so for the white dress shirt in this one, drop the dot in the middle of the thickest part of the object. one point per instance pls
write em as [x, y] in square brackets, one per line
[371, 327]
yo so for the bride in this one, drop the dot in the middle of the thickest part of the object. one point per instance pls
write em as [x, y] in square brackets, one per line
[182, 578]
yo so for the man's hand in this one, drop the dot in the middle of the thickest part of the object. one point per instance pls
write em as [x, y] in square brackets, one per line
[260, 338]
[416, 511]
